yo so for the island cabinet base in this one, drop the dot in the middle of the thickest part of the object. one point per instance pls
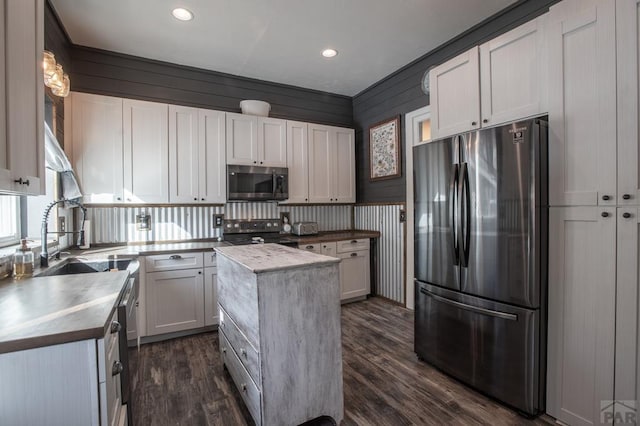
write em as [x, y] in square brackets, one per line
[280, 335]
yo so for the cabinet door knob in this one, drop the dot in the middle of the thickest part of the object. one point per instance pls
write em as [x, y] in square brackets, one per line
[117, 368]
[175, 257]
[261, 162]
[606, 197]
[195, 199]
[604, 214]
[354, 254]
[306, 199]
[115, 327]
[255, 162]
[224, 350]
[243, 352]
[243, 387]
[473, 123]
[354, 241]
[626, 215]
[201, 199]
[199, 272]
[485, 121]
[309, 247]
[626, 197]
[119, 198]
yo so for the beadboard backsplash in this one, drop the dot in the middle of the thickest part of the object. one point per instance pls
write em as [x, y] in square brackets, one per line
[118, 224]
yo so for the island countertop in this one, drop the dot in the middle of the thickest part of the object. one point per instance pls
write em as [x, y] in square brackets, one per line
[45, 311]
[260, 258]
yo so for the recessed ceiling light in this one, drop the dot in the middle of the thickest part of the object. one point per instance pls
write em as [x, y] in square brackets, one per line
[329, 53]
[182, 14]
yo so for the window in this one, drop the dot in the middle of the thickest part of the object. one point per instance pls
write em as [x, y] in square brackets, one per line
[9, 220]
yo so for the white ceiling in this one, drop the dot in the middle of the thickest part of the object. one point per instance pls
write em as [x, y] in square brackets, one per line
[278, 40]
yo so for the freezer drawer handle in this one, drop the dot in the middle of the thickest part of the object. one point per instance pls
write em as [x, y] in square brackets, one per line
[483, 311]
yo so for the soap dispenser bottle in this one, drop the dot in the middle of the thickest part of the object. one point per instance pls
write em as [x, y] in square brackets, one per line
[23, 261]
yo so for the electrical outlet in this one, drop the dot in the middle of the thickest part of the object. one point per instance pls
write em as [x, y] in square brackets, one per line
[403, 216]
[284, 215]
[62, 225]
[143, 222]
[217, 220]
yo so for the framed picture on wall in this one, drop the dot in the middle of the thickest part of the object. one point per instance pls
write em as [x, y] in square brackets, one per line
[384, 150]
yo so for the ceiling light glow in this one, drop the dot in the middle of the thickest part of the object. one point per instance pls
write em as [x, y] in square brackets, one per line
[329, 53]
[182, 14]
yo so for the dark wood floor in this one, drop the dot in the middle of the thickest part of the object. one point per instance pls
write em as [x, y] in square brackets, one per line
[182, 381]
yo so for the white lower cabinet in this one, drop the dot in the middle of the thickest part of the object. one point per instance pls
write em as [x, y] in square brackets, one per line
[627, 379]
[180, 292]
[174, 301]
[582, 312]
[211, 315]
[75, 383]
[355, 276]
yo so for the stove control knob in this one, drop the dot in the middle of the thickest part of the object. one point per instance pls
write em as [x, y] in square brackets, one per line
[236, 225]
[269, 225]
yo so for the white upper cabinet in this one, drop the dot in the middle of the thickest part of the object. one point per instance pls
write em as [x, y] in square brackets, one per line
[455, 95]
[501, 81]
[183, 154]
[146, 149]
[256, 141]
[582, 103]
[320, 159]
[343, 169]
[22, 97]
[513, 74]
[298, 161]
[96, 145]
[628, 78]
[212, 184]
[331, 164]
[242, 139]
[272, 142]
[196, 156]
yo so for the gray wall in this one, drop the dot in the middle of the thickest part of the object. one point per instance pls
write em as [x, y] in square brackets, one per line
[400, 93]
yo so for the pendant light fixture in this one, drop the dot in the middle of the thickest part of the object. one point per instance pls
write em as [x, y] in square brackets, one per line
[54, 76]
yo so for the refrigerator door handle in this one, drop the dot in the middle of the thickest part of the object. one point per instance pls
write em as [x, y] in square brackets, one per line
[465, 215]
[476, 309]
[453, 201]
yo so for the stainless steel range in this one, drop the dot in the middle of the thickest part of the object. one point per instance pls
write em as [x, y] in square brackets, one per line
[256, 231]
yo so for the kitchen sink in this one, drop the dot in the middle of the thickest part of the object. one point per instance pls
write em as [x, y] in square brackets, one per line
[75, 266]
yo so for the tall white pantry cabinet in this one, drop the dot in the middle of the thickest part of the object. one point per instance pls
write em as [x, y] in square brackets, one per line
[593, 216]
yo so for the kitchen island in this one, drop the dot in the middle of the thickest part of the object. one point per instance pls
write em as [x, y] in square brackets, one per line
[280, 331]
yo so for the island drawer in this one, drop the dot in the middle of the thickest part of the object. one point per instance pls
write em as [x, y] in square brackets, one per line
[210, 259]
[173, 261]
[249, 357]
[247, 388]
[352, 245]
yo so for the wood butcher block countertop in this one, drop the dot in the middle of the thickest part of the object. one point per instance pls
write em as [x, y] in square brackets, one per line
[45, 311]
[260, 258]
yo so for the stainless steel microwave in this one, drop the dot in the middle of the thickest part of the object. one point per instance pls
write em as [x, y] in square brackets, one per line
[253, 183]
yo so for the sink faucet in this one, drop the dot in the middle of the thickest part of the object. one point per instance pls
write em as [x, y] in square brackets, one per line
[44, 254]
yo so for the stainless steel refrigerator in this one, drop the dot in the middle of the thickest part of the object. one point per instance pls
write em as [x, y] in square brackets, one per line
[480, 260]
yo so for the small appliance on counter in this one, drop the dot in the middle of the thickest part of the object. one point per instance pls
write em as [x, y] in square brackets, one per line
[305, 228]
